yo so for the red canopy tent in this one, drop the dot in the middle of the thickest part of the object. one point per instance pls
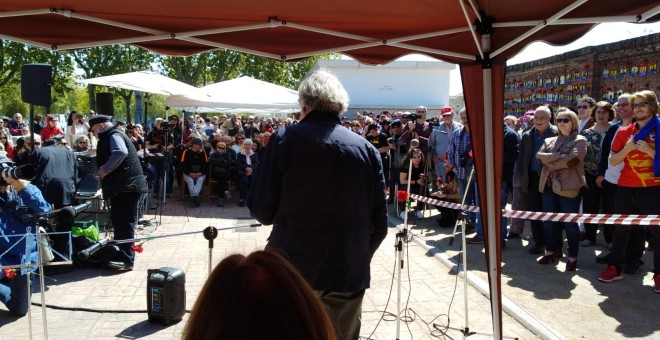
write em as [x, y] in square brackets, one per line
[479, 35]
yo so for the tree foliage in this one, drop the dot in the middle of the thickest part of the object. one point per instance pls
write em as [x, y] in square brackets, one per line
[109, 60]
[198, 70]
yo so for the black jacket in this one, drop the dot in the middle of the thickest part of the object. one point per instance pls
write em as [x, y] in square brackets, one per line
[128, 176]
[322, 187]
[194, 162]
[57, 174]
[242, 162]
[222, 165]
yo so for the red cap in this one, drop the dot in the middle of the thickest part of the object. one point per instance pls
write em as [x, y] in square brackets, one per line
[447, 110]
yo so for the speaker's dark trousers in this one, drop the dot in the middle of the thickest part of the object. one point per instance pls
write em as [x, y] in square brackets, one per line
[123, 214]
[345, 310]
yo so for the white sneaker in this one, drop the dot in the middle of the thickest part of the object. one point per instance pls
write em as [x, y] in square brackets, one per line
[227, 195]
[402, 215]
[419, 214]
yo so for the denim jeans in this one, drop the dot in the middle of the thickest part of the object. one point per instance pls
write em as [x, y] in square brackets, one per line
[13, 294]
[553, 230]
[245, 186]
[194, 186]
[504, 194]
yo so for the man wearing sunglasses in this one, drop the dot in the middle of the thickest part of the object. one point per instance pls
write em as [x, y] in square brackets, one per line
[584, 113]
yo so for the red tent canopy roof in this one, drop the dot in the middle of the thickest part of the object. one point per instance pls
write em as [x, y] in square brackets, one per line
[372, 31]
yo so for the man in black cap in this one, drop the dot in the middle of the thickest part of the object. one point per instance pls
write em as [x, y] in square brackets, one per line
[122, 182]
[194, 166]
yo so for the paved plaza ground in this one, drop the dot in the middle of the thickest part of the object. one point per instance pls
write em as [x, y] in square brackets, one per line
[540, 301]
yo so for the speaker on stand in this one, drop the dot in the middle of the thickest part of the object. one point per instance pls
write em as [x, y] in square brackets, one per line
[104, 104]
[36, 81]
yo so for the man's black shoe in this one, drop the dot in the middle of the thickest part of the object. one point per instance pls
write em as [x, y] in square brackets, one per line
[118, 265]
[605, 259]
[536, 249]
[633, 267]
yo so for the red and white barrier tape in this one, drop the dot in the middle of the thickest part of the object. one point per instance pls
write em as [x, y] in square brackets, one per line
[555, 217]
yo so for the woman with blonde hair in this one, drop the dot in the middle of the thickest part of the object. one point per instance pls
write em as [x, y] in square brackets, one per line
[261, 296]
[560, 183]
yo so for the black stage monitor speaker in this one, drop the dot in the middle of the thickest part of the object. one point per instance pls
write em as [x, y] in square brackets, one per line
[36, 80]
[166, 295]
[104, 104]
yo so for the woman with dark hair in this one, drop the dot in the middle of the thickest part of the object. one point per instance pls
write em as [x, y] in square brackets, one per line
[416, 180]
[260, 296]
[561, 180]
[602, 114]
[7, 147]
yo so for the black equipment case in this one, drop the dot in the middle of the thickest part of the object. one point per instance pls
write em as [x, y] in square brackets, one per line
[166, 295]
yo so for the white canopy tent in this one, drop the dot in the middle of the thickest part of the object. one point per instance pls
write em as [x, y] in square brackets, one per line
[144, 81]
[243, 94]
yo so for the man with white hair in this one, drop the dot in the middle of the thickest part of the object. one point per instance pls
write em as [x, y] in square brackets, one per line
[122, 182]
[328, 230]
[531, 142]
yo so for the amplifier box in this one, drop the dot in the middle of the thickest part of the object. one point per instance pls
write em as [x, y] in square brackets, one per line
[166, 295]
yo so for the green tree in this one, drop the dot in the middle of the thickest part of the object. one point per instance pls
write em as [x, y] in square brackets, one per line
[109, 60]
[14, 55]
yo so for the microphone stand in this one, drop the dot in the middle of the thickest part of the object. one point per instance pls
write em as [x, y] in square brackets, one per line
[398, 246]
[210, 233]
[460, 220]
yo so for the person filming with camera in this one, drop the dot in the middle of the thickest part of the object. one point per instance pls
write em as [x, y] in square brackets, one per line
[18, 198]
[160, 142]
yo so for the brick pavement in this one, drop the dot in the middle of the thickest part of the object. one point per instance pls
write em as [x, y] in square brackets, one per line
[428, 287]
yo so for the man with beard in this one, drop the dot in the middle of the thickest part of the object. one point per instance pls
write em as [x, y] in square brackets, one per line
[122, 182]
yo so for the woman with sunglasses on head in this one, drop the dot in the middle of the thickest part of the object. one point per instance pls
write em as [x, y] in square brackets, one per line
[602, 114]
[584, 107]
[561, 179]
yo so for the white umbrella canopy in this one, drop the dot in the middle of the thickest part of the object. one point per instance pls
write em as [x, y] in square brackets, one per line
[239, 93]
[144, 81]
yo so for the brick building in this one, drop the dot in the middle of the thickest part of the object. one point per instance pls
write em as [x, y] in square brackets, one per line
[602, 72]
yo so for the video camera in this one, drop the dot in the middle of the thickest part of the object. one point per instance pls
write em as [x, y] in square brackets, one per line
[26, 172]
[165, 126]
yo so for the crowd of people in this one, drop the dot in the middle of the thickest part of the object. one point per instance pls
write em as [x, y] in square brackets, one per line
[600, 159]
[594, 158]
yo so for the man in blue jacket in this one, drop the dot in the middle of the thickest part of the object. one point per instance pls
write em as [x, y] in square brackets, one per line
[322, 188]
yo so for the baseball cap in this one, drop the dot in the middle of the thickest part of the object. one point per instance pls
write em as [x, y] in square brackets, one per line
[446, 110]
[396, 123]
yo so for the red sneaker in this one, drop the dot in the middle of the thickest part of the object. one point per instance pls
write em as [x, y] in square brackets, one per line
[611, 274]
[656, 281]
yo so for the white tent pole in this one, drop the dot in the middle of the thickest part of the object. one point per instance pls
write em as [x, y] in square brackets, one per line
[489, 148]
[538, 27]
[475, 9]
[26, 42]
[25, 13]
[650, 13]
[434, 51]
[70, 14]
[474, 34]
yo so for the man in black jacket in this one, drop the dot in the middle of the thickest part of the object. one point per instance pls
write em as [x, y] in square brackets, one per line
[122, 182]
[322, 188]
[194, 166]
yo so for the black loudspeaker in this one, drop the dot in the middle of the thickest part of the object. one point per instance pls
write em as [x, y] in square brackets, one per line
[36, 80]
[104, 104]
[166, 295]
